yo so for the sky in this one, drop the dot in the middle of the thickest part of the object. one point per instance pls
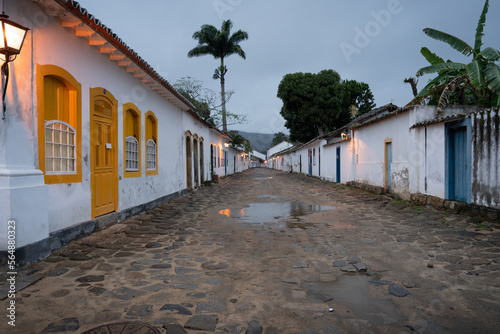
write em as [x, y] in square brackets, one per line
[373, 41]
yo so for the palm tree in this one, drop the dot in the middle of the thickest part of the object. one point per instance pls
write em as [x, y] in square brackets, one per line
[219, 44]
[481, 76]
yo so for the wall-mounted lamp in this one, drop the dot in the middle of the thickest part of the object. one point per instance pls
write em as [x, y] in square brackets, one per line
[12, 37]
[226, 144]
[343, 135]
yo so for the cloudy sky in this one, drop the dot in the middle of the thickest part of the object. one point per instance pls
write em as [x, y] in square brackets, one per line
[373, 41]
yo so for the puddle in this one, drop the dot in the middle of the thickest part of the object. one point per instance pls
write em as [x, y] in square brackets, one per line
[263, 178]
[272, 212]
[352, 291]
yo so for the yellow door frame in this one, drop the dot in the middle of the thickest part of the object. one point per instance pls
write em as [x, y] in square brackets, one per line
[95, 93]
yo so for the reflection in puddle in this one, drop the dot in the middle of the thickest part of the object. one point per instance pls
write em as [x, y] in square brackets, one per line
[352, 291]
[345, 227]
[263, 178]
[226, 212]
[271, 212]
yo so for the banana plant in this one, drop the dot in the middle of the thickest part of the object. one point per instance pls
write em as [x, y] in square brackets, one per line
[480, 77]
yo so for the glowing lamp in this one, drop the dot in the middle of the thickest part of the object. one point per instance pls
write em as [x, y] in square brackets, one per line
[226, 144]
[12, 37]
[343, 135]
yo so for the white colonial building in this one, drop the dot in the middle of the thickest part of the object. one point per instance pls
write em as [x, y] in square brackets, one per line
[412, 152]
[92, 134]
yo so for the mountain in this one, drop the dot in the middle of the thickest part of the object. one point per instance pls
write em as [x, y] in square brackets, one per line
[260, 141]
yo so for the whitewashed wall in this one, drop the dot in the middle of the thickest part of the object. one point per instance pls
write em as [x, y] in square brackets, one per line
[200, 131]
[486, 158]
[329, 161]
[370, 148]
[23, 193]
[427, 160]
[217, 139]
[278, 148]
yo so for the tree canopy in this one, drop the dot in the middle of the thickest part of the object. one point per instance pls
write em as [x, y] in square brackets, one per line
[314, 104]
[207, 102]
[241, 142]
[477, 82]
[278, 138]
[219, 44]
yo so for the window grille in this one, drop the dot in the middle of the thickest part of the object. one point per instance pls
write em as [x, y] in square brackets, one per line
[60, 148]
[131, 155]
[151, 155]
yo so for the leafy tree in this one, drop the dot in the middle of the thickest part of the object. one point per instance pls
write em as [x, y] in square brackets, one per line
[477, 82]
[240, 141]
[358, 97]
[207, 102]
[219, 44]
[314, 104]
[278, 138]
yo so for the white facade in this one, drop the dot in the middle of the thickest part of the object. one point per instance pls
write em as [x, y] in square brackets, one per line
[346, 155]
[278, 148]
[238, 160]
[372, 143]
[257, 159]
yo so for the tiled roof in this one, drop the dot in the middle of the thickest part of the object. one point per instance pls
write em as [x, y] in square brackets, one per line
[375, 115]
[86, 25]
[440, 120]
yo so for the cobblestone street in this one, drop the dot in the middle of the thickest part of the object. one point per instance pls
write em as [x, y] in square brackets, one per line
[270, 252]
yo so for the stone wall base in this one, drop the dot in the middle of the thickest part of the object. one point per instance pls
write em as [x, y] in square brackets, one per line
[472, 210]
[41, 249]
[367, 187]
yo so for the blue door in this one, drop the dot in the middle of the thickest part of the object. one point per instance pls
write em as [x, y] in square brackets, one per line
[338, 164]
[459, 157]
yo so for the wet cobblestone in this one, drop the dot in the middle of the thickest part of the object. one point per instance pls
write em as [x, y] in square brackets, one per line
[193, 265]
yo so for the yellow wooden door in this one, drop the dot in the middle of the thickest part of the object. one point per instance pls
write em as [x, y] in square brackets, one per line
[103, 153]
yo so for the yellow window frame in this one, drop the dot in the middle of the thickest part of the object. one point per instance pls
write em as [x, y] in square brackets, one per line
[126, 126]
[74, 112]
[151, 132]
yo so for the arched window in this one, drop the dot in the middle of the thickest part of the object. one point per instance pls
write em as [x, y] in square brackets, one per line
[151, 132]
[132, 135]
[59, 125]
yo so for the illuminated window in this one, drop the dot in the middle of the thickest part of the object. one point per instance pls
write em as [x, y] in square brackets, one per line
[151, 132]
[132, 135]
[59, 125]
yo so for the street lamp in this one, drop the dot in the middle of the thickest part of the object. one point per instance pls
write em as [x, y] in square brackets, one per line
[344, 136]
[226, 144]
[12, 37]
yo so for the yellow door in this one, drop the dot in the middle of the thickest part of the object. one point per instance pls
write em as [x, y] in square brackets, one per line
[103, 153]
